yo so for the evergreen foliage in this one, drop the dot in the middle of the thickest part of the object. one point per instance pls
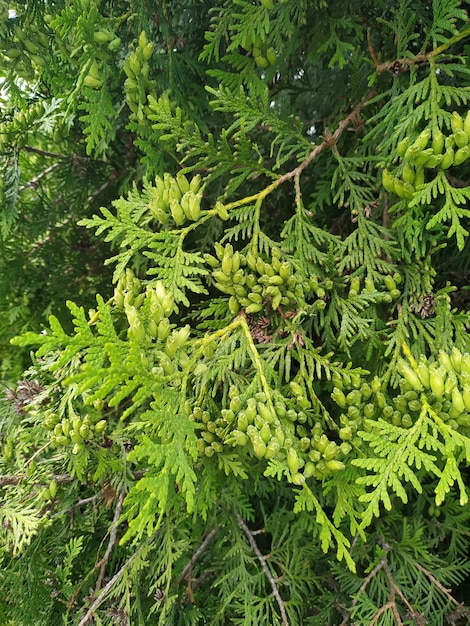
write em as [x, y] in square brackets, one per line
[234, 337]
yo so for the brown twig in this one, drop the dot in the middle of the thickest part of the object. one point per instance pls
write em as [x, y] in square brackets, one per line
[197, 582]
[197, 554]
[46, 153]
[37, 453]
[399, 65]
[112, 177]
[112, 539]
[61, 479]
[373, 56]
[9, 480]
[89, 500]
[388, 605]
[329, 141]
[55, 155]
[264, 567]
[363, 587]
[395, 590]
[392, 601]
[15, 479]
[33, 183]
[439, 585]
[107, 588]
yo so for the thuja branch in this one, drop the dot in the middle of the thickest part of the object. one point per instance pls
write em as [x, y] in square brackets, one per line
[308, 382]
[398, 65]
[264, 567]
[239, 322]
[434, 99]
[256, 360]
[256, 226]
[330, 140]
[450, 42]
[206, 341]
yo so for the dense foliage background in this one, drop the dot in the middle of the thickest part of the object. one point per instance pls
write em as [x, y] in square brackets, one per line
[234, 312]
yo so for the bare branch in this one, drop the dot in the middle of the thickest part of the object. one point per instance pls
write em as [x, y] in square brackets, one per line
[395, 589]
[9, 480]
[264, 567]
[392, 601]
[15, 479]
[46, 153]
[112, 177]
[112, 539]
[381, 611]
[330, 141]
[363, 587]
[33, 183]
[77, 505]
[37, 453]
[371, 49]
[107, 588]
[400, 65]
[197, 554]
[97, 192]
[370, 576]
[439, 585]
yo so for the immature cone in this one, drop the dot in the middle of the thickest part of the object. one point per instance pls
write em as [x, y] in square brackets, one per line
[422, 140]
[388, 181]
[466, 123]
[461, 155]
[410, 375]
[293, 461]
[438, 141]
[403, 146]
[436, 382]
[447, 159]
[460, 138]
[456, 122]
